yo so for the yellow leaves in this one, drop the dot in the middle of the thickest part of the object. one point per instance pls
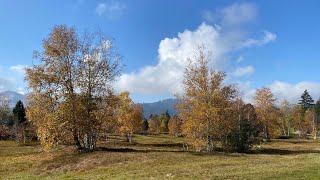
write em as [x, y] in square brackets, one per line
[268, 115]
[129, 115]
[154, 124]
[71, 88]
[175, 126]
[206, 108]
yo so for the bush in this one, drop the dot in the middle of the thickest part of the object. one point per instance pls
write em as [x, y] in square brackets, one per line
[247, 132]
[242, 140]
[5, 133]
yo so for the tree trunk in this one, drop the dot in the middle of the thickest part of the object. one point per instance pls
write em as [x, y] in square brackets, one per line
[129, 138]
[76, 140]
[314, 128]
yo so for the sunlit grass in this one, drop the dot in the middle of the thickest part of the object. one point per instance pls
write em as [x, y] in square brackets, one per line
[160, 157]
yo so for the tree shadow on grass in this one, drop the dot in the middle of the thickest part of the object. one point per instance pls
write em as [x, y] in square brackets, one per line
[272, 151]
[133, 150]
[168, 145]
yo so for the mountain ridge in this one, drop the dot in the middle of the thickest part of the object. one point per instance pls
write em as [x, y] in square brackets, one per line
[13, 96]
[157, 107]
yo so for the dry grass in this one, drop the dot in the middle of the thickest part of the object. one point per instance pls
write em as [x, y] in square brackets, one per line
[160, 157]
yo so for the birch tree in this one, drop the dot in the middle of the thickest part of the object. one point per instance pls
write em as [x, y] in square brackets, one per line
[206, 106]
[74, 76]
[265, 108]
[129, 116]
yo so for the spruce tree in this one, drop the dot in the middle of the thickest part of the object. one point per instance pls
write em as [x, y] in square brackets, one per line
[306, 101]
[19, 113]
[19, 116]
[145, 125]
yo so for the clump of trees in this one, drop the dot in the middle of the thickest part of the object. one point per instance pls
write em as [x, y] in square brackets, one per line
[211, 110]
[213, 114]
[72, 101]
[70, 88]
[158, 124]
[154, 124]
[13, 122]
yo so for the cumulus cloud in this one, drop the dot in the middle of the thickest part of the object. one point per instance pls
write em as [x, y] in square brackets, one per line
[282, 90]
[267, 38]
[164, 78]
[12, 78]
[6, 84]
[292, 92]
[19, 68]
[242, 71]
[110, 9]
[173, 56]
[233, 15]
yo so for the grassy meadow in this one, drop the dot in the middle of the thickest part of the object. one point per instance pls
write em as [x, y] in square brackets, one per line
[160, 157]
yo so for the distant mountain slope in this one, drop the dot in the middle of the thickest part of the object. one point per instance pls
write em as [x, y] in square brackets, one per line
[159, 107]
[14, 97]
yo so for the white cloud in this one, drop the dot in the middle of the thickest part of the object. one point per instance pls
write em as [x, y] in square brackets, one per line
[6, 84]
[282, 90]
[246, 91]
[110, 9]
[12, 78]
[233, 15]
[166, 76]
[242, 71]
[173, 54]
[239, 13]
[19, 68]
[267, 38]
[292, 92]
[164, 79]
[20, 90]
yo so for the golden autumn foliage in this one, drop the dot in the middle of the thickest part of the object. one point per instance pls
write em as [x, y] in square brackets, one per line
[267, 113]
[154, 124]
[129, 116]
[175, 126]
[206, 107]
[286, 118]
[308, 125]
[70, 87]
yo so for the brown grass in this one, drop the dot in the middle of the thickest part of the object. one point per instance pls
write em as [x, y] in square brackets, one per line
[160, 157]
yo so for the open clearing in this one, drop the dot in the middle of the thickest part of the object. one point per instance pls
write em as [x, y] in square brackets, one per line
[160, 157]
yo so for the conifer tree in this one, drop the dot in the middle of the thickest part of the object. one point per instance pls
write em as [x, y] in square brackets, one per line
[145, 125]
[306, 101]
[19, 113]
[20, 120]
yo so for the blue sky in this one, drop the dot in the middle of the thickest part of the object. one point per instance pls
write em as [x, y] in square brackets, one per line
[258, 43]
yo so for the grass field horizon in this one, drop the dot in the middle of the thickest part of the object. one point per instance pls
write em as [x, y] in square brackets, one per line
[160, 157]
